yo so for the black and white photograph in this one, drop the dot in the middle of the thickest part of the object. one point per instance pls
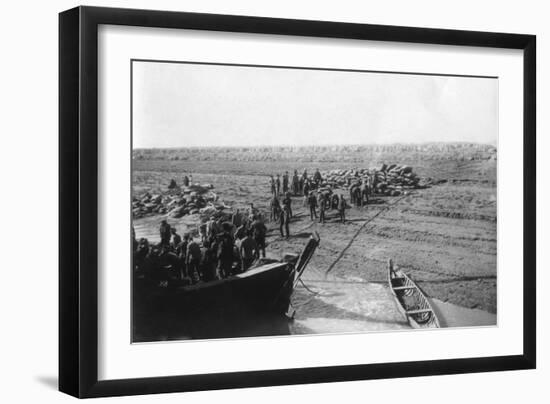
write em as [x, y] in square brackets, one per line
[278, 201]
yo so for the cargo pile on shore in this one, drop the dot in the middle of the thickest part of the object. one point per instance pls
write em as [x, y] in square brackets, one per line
[177, 202]
[389, 180]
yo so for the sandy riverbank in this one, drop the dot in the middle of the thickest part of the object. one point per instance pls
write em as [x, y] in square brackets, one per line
[444, 237]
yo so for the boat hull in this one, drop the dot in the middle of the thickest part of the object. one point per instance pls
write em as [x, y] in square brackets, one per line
[217, 309]
[411, 301]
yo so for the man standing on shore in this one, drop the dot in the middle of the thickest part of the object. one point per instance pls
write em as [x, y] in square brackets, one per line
[165, 233]
[278, 184]
[274, 208]
[209, 261]
[295, 183]
[284, 220]
[259, 231]
[181, 252]
[317, 178]
[176, 238]
[322, 206]
[248, 251]
[306, 191]
[273, 186]
[193, 258]
[303, 180]
[285, 182]
[342, 208]
[287, 202]
[312, 202]
[225, 251]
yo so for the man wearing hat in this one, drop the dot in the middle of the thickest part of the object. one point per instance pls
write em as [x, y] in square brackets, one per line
[225, 251]
[165, 233]
[284, 220]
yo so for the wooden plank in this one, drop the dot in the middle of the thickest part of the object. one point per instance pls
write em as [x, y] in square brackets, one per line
[419, 311]
[403, 287]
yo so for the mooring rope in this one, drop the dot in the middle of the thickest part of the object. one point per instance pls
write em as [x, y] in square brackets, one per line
[308, 289]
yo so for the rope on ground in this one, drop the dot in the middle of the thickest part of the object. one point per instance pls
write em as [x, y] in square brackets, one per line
[313, 295]
[308, 289]
[386, 208]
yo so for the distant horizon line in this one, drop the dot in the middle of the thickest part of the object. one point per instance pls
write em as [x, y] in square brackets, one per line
[318, 145]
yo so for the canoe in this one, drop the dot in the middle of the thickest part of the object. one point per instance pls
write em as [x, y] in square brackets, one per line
[411, 300]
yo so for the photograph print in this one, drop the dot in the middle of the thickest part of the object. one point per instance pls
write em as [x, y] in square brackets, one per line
[273, 201]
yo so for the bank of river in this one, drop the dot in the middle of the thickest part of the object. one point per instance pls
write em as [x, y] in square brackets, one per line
[348, 306]
[333, 304]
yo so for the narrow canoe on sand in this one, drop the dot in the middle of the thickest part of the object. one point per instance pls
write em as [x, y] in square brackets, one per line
[411, 300]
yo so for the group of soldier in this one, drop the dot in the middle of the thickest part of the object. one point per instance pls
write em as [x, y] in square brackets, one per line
[296, 184]
[225, 248]
[317, 197]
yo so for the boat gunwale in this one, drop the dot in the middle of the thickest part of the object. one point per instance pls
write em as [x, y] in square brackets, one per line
[408, 280]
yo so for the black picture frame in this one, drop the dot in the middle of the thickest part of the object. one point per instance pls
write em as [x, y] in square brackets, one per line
[78, 207]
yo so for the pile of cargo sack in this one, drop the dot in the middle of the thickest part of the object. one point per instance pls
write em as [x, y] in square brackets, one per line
[177, 202]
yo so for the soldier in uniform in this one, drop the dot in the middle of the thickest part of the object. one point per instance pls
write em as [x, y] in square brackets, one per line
[364, 192]
[312, 202]
[274, 208]
[210, 261]
[322, 207]
[342, 208]
[352, 193]
[176, 238]
[248, 251]
[285, 182]
[374, 183]
[287, 202]
[236, 219]
[181, 252]
[273, 186]
[317, 177]
[193, 261]
[258, 232]
[225, 251]
[303, 180]
[284, 220]
[278, 184]
[165, 233]
[306, 191]
[295, 183]
[357, 196]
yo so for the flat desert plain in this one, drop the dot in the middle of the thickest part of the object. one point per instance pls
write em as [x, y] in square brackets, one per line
[444, 236]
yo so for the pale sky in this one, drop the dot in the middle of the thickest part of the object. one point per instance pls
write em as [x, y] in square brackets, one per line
[187, 105]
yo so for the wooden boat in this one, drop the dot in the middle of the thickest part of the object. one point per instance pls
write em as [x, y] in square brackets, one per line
[411, 300]
[221, 308]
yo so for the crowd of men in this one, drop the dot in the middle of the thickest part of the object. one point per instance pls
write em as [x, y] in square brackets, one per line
[317, 197]
[296, 185]
[225, 248]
